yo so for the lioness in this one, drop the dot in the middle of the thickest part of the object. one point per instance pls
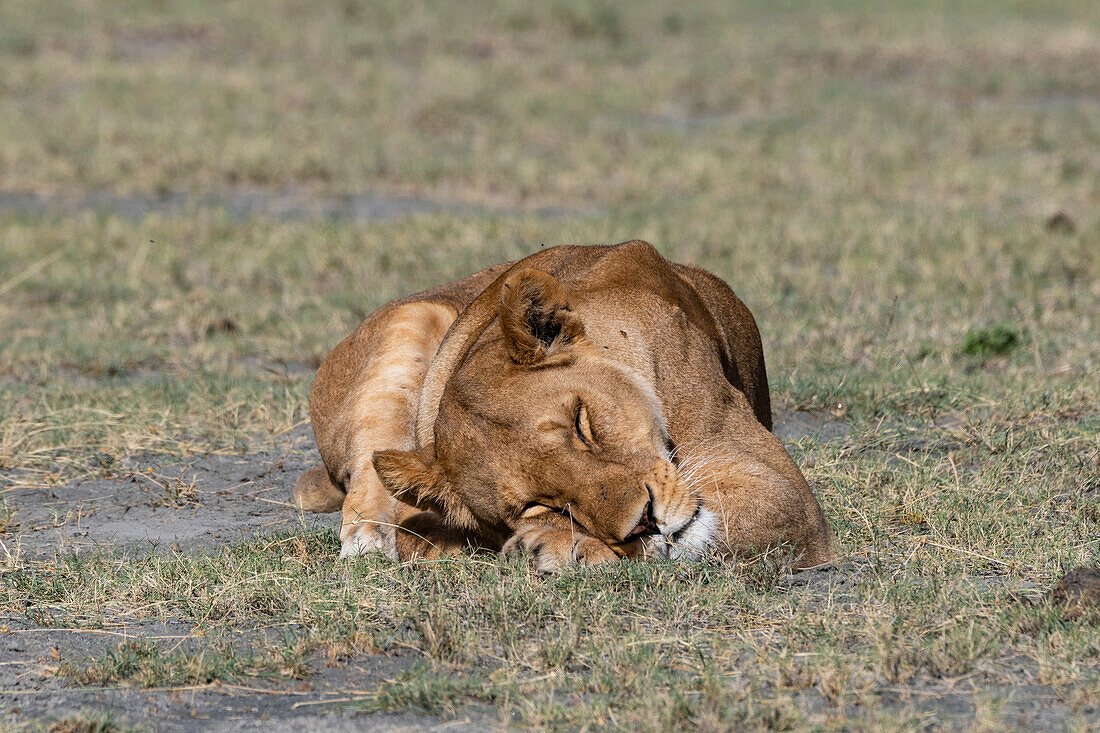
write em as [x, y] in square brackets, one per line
[583, 404]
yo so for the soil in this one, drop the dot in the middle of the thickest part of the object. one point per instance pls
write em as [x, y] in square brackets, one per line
[200, 502]
[1078, 592]
[31, 690]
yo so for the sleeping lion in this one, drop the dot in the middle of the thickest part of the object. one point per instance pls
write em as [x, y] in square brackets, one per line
[581, 405]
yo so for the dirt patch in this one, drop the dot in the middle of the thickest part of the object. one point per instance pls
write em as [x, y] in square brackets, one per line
[202, 501]
[160, 41]
[1078, 592]
[30, 688]
[791, 426]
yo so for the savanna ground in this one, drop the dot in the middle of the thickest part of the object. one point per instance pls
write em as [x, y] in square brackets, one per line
[199, 199]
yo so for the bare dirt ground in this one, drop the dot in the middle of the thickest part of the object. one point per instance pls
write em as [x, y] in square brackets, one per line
[200, 502]
[31, 691]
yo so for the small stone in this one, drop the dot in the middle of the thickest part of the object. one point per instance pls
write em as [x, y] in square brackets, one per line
[1061, 223]
[224, 325]
[1078, 592]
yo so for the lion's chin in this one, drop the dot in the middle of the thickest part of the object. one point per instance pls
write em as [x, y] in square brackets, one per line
[693, 540]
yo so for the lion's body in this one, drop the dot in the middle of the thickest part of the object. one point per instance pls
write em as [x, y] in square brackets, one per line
[675, 332]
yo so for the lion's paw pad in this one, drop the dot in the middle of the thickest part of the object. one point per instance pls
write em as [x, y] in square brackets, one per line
[365, 540]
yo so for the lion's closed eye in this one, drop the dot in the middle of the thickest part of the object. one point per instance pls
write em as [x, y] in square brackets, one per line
[534, 509]
[582, 426]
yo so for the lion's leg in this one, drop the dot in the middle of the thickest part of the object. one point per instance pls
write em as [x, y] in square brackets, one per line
[553, 542]
[380, 414]
[315, 492]
[426, 535]
[757, 514]
[367, 522]
[757, 500]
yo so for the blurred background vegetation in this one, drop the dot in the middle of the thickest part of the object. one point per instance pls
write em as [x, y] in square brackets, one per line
[876, 184]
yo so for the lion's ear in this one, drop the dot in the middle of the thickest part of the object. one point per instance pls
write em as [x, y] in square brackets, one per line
[416, 478]
[537, 317]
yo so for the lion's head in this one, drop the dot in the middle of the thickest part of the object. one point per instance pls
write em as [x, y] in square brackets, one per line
[537, 418]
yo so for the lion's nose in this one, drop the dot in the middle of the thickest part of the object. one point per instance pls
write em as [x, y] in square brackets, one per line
[647, 523]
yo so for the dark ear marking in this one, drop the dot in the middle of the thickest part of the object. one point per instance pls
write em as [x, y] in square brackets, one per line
[416, 478]
[536, 317]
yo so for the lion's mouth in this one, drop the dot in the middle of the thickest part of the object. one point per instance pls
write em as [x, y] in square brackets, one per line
[647, 522]
[687, 542]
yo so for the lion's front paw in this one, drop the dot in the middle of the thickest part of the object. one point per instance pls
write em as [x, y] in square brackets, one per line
[589, 551]
[552, 549]
[363, 539]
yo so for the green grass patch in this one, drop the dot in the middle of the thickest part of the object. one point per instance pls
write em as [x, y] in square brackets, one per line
[996, 340]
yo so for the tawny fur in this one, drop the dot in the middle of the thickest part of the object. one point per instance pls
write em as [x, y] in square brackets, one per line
[315, 492]
[465, 402]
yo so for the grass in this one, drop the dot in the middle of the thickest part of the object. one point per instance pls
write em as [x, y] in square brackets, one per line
[1001, 338]
[144, 664]
[638, 646]
[879, 185]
